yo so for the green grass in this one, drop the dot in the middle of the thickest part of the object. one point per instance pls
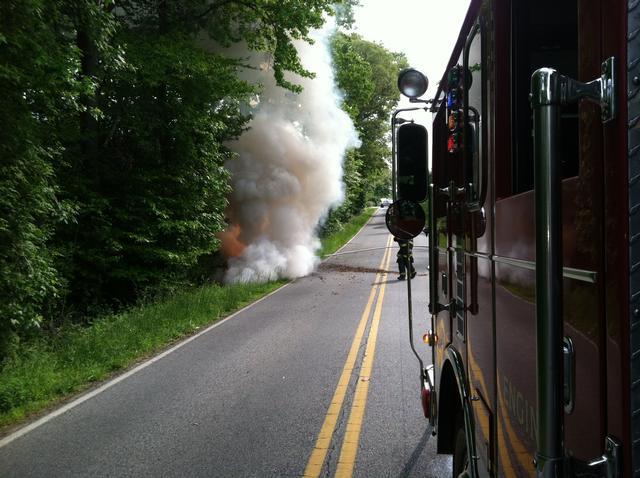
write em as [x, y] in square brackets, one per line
[46, 370]
[335, 241]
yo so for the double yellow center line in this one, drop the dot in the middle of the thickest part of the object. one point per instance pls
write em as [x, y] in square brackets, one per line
[348, 453]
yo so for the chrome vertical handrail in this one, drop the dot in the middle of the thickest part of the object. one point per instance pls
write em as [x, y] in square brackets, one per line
[545, 101]
[549, 91]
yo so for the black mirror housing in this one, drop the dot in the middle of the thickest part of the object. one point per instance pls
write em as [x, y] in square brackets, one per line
[411, 171]
[405, 219]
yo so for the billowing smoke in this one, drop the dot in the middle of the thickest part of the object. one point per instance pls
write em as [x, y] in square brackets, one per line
[288, 172]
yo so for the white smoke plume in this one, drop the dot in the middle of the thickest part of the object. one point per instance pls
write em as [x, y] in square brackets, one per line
[288, 172]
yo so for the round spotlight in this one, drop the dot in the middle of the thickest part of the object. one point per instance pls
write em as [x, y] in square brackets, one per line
[412, 83]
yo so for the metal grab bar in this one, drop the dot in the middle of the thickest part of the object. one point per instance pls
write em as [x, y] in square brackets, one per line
[549, 91]
[545, 101]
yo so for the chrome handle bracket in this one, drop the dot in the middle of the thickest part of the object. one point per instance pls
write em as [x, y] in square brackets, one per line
[609, 465]
[452, 192]
[601, 90]
[550, 88]
[438, 307]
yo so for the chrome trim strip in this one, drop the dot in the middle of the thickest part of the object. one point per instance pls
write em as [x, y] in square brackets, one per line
[590, 277]
[582, 275]
[529, 265]
[479, 255]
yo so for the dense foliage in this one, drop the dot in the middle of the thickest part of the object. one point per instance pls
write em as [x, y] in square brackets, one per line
[366, 73]
[111, 146]
[39, 92]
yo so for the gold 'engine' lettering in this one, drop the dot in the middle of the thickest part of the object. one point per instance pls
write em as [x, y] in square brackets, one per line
[520, 409]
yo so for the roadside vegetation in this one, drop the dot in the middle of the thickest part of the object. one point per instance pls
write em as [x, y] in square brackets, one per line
[47, 369]
[54, 366]
[115, 115]
[367, 74]
[335, 241]
[113, 183]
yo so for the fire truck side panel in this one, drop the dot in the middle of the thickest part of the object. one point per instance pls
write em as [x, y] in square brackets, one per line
[486, 244]
[516, 392]
[452, 224]
[478, 239]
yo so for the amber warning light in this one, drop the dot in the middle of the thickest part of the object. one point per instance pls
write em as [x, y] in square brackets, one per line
[430, 338]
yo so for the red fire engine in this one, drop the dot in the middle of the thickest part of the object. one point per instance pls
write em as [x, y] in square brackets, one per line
[533, 203]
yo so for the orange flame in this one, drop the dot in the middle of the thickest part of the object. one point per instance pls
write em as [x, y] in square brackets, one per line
[232, 246]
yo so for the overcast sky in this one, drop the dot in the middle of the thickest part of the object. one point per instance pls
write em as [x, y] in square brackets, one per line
[424, 30]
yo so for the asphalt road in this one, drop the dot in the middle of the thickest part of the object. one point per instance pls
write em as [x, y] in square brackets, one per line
[249, 397]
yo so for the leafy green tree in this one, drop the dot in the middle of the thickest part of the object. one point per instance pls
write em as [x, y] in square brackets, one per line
[151, 194]
[114, 120]
[37, 61]
[151, 187]
[263, 25]
[345, 14]
[366, 72]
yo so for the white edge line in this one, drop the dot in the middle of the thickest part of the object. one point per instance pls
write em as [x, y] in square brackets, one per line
[87, 396]
[32, 426]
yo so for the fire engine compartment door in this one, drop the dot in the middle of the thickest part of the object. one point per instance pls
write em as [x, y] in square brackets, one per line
[570, 41]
